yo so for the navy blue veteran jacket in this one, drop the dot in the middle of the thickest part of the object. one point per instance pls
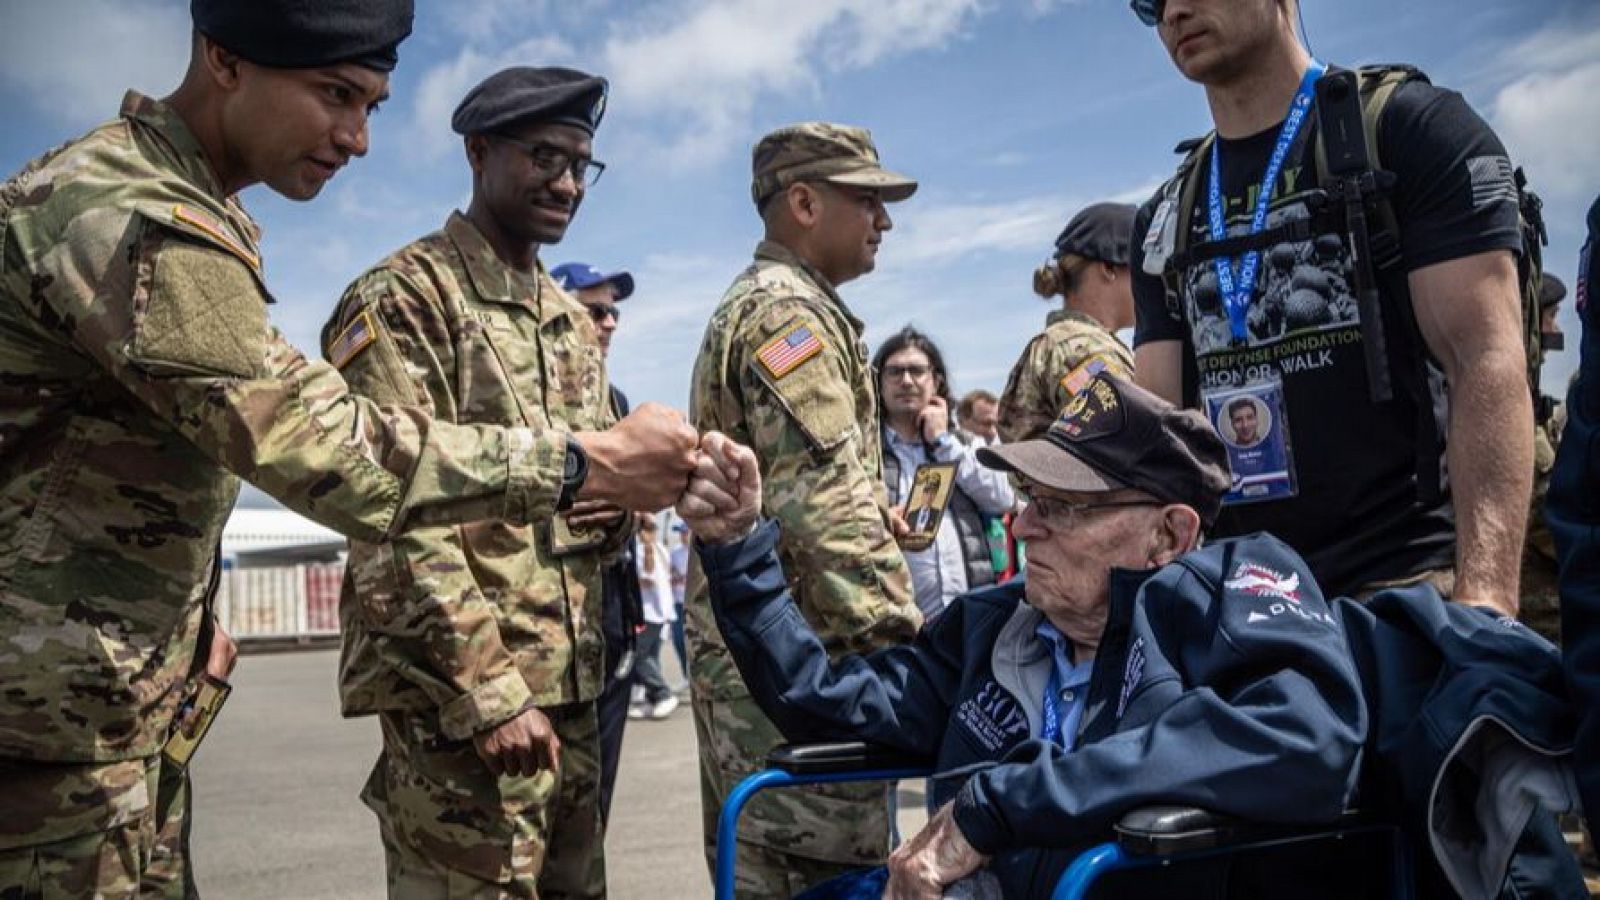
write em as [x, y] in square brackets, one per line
[1223, 681]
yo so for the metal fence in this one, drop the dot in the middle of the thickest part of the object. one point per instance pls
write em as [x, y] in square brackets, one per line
[299, 601]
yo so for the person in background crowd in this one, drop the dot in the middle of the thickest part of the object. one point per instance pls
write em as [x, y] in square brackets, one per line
[978, 415]
[622, 609]
[914, 394]
[1089, 272]
[655, 699]
[678, 560]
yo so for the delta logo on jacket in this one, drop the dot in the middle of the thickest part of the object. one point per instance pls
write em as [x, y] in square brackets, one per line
[1280, 593]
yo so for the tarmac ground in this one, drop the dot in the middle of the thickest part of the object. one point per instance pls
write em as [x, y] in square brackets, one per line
[277, 813]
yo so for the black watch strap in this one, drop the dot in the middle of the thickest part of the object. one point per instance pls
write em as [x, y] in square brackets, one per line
[573, 473]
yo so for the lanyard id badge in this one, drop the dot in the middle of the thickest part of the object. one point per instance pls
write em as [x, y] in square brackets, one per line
[1238, 285]
[1255, 432]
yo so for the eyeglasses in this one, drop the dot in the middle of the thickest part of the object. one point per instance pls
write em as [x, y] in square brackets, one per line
[599, 313]
[551, 162]
[1148, 11]
[917, 373]
[1063, 515]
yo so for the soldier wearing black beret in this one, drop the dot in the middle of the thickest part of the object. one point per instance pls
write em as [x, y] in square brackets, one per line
[144, 379]
[469, 317]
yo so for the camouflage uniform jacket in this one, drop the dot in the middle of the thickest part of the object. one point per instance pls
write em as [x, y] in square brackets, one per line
[1540, 591]
[142, 380]
[1048, 373]
[783, 369]
[478, 620]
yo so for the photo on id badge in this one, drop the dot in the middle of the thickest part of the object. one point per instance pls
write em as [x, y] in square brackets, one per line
[1255, 432]
[925, 505]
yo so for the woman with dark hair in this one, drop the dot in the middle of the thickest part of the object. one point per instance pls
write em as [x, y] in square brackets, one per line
[914, 401]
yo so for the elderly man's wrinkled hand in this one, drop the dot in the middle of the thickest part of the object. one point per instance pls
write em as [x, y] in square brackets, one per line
[935, 857]
[723, 499]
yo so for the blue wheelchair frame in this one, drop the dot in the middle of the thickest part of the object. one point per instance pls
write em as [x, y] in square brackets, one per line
[1154, 836]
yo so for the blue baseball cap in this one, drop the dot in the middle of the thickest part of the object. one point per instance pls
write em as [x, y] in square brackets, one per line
[575, 276]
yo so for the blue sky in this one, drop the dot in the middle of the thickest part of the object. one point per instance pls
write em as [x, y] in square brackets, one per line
[1012, 113]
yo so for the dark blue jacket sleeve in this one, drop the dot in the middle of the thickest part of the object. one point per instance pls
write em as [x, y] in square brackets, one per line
[1573, 511]
[1259, 709]
[898, 697]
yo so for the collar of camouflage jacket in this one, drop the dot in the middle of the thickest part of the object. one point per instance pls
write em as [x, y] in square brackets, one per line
[496, 282]
[184, 147]
[772, 251]
[1070, 315]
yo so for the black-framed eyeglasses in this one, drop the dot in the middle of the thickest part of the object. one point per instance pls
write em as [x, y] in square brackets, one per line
[550, 161]
[917, 373]
[1060, 515]
[1148, 11]
[599, 312]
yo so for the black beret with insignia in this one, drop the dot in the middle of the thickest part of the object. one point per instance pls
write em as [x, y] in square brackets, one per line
[303, 34]
[523, 94]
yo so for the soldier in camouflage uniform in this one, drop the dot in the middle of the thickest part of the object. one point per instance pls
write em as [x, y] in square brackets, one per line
[481, 333]
[1541, 608]
[143, 379]
[1089, 271]
[783, 369]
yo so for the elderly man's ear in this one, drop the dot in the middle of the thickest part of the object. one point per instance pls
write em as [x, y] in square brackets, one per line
[1176, 532]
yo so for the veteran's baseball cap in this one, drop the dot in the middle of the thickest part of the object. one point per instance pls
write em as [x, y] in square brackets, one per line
[822, 151]
[1115, 435]
[575, 276]
[1102, 231]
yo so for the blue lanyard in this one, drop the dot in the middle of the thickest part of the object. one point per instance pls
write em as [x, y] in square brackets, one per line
[1236, 291]
[1052, 703]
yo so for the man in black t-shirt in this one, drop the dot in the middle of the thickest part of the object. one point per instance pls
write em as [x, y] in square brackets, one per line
[1349, 496]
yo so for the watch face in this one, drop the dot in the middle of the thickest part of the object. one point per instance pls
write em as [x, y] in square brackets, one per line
[570, 469]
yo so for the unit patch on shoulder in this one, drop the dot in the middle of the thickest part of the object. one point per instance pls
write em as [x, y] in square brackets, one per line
[207, 223]
[784, 353]
[1075, 381]
[356, 337]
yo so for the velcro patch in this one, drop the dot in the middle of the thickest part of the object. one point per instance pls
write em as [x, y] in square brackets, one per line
[204, 221]
[204, 314]
[784, 353]
[356, 337]
[1075, 381]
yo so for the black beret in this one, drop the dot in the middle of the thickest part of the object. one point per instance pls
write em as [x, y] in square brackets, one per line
[1101, 231]
[302, 34]
[523, 94]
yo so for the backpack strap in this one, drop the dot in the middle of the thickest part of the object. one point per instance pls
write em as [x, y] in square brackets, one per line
[1188, 180]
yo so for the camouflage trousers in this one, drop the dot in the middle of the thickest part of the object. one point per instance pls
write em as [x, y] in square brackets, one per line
[789, 839]
[130, 840]
[451, 829]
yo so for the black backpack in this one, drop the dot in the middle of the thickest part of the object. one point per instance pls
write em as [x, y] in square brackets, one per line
[1354, 200]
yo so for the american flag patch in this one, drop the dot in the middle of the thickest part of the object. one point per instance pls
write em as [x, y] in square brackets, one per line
[217, 230]
[1079, 378]
[786, 351]
[1492, 181]
[354, 339]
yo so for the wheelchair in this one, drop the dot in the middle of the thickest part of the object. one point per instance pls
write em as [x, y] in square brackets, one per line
[1146, 837]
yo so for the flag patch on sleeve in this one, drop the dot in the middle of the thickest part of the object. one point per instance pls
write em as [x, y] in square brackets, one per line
[1079, 378]
[784, 353]
[354, 339]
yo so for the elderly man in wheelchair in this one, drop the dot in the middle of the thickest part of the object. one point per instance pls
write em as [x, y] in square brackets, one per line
[1137, 667]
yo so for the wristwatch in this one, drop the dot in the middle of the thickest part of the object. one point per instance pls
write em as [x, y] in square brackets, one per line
[572, 474]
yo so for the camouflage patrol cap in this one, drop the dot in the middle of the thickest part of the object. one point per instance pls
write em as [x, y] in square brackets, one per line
[822, 151]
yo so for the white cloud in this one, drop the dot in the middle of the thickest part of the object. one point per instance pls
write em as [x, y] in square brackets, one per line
[702, 68]
[73, 61]
[442, 87]
[1542, 118]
